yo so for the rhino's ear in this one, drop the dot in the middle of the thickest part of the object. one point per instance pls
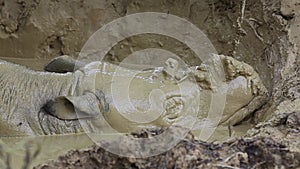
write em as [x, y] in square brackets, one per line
[76, 107]
[63, 64]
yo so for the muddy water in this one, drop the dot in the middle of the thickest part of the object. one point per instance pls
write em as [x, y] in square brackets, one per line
[223, 133]
[50, 147]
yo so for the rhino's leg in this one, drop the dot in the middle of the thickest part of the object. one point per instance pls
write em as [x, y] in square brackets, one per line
[245, 111]
[63, 64]
[253, 89]
[233, 69]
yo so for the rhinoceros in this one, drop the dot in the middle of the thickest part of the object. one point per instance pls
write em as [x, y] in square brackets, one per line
[59, 101]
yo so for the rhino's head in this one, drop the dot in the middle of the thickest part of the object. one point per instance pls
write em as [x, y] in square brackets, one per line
[129, 99]
[147, 98]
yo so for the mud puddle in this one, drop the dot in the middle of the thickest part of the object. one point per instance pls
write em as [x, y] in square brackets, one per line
[46, 148]
[51, 147]
[223, 133]
[258, 153]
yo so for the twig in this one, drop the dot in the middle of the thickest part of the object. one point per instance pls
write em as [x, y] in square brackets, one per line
[213, 9]
[240, 20]
[240, 30]
[233, 155]
[255, 32]
[227, 166]
[229, 130]
[8, 166]
[30, 157]
[243, 11]
[258, 164]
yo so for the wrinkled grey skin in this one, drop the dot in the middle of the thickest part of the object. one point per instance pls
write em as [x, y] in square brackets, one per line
[51, 103]
[24, 92]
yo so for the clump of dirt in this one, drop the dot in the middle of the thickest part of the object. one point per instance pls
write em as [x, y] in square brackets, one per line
[283, 126]
[188, 153]
[45, 29]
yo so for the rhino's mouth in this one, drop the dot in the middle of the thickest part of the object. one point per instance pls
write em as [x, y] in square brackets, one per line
[174, 106]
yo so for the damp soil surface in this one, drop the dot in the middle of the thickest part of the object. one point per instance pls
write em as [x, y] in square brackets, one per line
[259, 153]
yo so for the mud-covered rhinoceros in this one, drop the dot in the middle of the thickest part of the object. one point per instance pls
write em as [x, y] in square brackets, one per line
[39, 103]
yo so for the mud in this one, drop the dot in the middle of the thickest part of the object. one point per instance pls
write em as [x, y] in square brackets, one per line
[265, 35]
[281, 114]
[189, 153]
[32, 63]
[17, 149]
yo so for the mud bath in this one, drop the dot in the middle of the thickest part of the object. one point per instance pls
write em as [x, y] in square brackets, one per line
[265, 35]
[189, 153]
[57, 146]
[45, 147]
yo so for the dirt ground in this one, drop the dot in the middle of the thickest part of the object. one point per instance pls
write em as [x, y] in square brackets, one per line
[262, 33]
[189, 153]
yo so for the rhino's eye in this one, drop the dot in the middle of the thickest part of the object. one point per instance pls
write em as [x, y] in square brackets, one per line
[174, 107]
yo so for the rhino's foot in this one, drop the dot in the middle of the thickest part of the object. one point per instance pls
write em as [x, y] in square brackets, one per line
[234, 69]
[246, 92]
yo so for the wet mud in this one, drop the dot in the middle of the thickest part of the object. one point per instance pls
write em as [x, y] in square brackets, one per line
[32, 150]
[264, 34]
[261, 153]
